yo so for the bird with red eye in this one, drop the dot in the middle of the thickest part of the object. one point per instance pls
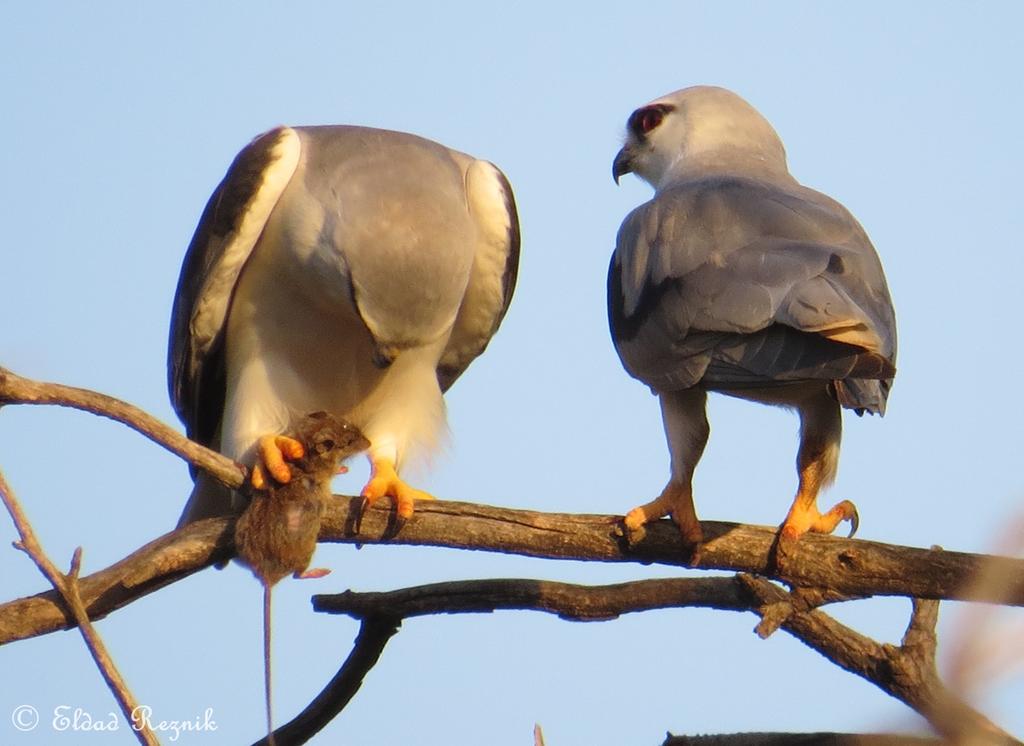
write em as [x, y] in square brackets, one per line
[647, 118]
[736, 279]
[641, 123]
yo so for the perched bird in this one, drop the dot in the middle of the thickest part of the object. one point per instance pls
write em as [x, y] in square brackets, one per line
[735, 278]
[346, 269]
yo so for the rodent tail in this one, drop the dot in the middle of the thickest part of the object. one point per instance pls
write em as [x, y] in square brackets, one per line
[266, 662]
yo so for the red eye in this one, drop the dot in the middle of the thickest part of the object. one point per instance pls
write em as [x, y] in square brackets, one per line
[650, 119]
[646, 119]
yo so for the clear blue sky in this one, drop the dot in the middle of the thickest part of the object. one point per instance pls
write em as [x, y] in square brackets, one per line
[118, 121]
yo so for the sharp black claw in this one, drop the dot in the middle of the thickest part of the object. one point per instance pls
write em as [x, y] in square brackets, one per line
[357, 524]
[854, 521]
[398, 523]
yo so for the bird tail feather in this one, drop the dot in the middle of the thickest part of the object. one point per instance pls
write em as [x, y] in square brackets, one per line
[209, 499]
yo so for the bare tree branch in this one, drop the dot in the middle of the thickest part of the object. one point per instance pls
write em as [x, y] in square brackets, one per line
[577, 603]
[798, 739]
[823, 570]
[848, 568]
[17, 390]
[170, 558]
[906, 672]
[374, 634]
[68, 588]
[851, 567]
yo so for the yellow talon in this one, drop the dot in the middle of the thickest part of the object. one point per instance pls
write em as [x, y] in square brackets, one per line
[258, 478]
[675, 501]
[804, 518]
[273, 453]
[384, 481]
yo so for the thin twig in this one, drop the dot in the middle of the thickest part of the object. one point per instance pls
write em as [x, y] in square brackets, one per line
[68, 587]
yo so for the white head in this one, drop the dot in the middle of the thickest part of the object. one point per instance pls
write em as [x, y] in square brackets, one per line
[697, 131]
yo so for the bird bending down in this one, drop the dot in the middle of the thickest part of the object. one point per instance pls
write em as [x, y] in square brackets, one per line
[735, 278]
[351, 270]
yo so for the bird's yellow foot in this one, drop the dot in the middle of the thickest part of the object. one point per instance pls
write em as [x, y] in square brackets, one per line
[384, 481]
[676, 502]
[312, 573]
[804, 518]
[272, 453]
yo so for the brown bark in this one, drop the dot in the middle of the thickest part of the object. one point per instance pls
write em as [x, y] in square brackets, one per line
[15, 389]
[906, 672]
[847, 567]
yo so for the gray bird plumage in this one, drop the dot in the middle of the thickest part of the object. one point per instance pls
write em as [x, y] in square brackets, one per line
[347, 269]
[737, 283]
[736, 278]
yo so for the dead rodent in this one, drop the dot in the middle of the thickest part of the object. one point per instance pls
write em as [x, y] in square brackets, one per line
[276, 534]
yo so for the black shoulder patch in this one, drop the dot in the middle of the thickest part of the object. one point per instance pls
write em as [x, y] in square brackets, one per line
[197, 391]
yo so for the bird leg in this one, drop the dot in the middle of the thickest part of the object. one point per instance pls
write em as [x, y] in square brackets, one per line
[272, 451]
[687, 430]
[384, 481]
[817, 460]
[804, 517]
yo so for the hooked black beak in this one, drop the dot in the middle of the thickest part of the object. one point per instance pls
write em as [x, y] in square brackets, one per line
[623, 163]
